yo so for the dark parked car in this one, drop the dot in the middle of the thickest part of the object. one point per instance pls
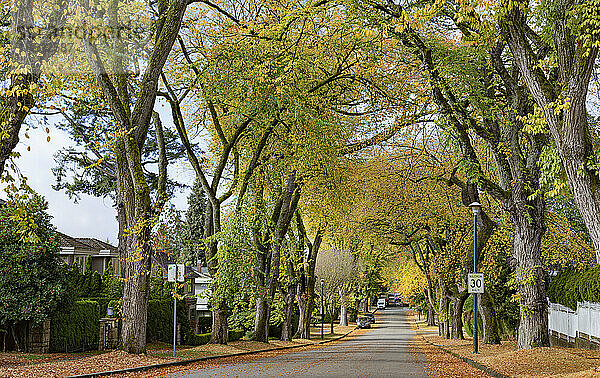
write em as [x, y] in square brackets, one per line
[363, 322]
[369, 315]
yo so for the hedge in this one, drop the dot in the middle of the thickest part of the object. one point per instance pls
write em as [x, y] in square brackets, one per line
[160, 321]
[575, 285]
[103, 302]
[75, 328]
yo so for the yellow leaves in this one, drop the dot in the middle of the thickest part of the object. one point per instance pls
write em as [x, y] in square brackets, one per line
[534, 123]
[560, 105]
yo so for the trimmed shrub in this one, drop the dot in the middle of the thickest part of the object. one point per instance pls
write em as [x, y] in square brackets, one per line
[204, 338]
[236, 334]
[76, 327]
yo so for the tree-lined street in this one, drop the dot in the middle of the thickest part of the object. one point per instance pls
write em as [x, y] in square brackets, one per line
[336, 155]
[383, 351]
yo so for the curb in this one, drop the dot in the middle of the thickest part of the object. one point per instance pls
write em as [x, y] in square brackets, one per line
[471, 362]
[186, 362]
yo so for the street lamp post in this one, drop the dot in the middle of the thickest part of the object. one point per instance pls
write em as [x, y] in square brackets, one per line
[475, 208]
[322, 307]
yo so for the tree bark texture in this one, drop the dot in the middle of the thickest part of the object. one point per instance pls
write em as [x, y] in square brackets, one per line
[287, 331]
[569, 126]
[306, 287]
[533, 324]
[138, 260]
[457, 311]
[430, 315]
[491, 332]
[282, 215]
[133, 124]
[444, 318]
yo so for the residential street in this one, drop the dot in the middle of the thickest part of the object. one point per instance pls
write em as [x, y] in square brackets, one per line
[383, 351]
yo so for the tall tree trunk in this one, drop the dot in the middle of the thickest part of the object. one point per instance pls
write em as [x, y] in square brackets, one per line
[444, 329]
[331, 317]
[430, 314]
[457, 311]
[491, 333]
[306, 289]
[533, 324]
[343, 307]
[306, 303]
[287, 331]
[13, 331]
[261, 320]
[303, 310]
[220, 329]
[282, 215]
[122, 222]
[569, 126]
[138, 261]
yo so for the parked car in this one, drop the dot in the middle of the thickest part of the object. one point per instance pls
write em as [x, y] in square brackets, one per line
[381, 303]
[368, 315]
[363, 322]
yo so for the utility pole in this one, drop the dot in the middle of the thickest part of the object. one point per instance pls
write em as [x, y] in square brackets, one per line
[476, 208]
[322, 308]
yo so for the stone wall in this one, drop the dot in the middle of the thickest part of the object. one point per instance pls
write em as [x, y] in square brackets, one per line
[38, 337]
[109, 329]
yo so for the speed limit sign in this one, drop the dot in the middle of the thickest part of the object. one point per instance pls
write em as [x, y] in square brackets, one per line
[475, 283]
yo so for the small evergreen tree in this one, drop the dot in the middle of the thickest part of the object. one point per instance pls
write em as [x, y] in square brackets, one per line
[32, 280]
[112, 286]
[194, 225]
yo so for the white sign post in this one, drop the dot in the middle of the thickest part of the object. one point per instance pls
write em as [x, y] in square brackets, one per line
[172, 272]
[475, 283]
[175, 273]
[180, 273]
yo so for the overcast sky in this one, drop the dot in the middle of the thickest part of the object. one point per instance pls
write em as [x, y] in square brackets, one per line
[91, 216]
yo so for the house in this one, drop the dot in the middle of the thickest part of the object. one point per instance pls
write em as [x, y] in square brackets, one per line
[80, 250]
[198, 289]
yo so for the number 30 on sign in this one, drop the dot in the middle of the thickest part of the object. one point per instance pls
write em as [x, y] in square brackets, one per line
[475, 282]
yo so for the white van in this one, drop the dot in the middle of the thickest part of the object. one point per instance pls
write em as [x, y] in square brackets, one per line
[381, 304]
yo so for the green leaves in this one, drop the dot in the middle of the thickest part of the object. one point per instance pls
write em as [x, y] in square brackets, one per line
[32, 282]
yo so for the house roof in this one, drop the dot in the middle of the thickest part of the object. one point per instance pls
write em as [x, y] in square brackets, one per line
[97, 244]
[85, 244]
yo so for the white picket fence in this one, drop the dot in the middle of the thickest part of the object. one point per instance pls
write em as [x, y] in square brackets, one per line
[584, 322]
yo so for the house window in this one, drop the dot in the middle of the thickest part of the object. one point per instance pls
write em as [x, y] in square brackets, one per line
[80, 260]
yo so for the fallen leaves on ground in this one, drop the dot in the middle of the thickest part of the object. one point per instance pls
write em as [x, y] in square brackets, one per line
[537, 362]
[101, 362]
[60, 365]
[442, 364]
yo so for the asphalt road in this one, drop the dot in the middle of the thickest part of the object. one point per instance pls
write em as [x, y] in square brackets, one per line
[384, 351]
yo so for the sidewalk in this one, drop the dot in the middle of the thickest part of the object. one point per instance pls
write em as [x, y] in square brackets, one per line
[506, 360]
